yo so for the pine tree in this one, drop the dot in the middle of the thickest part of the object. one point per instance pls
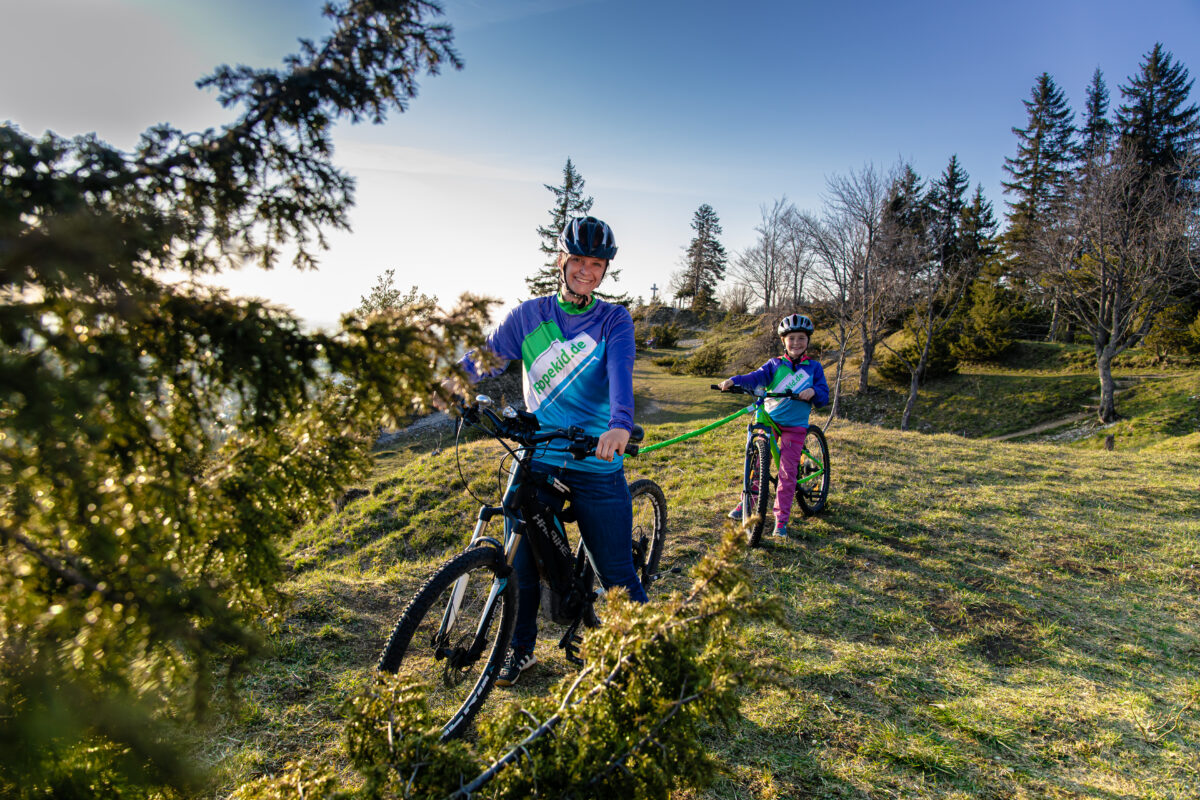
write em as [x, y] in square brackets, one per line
[941, 279]
[986, 319]
[977, 226]
[1156, 120]
[569, 202]
[1042, 166]
[160, 440]
[1096, 133]
[706, 260]
[946, 204]
[905, 231]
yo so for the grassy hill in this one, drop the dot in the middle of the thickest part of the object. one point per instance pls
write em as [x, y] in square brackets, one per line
[968, 618]
[1051, 386]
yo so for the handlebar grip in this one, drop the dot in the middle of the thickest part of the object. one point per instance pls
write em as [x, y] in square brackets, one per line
[631, 449]
[718, 388]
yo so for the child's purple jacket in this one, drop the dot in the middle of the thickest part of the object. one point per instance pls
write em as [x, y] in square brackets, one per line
[781, 374]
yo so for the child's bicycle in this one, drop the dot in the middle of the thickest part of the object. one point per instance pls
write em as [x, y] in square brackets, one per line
[455, 632]
[762, 448]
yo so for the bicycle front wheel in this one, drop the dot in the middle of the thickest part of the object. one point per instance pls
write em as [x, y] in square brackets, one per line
[812, 474]
[649, 528]
[756, 489]
[454, 634]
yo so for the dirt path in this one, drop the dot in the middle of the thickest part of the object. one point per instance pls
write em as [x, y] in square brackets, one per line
[1124, 384]
[1045, 426]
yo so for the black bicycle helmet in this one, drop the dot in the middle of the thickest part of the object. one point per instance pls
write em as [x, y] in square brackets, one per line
[795, 323]
[588, 236]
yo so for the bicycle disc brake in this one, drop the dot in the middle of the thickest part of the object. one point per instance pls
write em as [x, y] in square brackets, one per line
[458, 659]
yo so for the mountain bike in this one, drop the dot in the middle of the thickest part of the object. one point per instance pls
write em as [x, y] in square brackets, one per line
[455, 632]
[762, 449]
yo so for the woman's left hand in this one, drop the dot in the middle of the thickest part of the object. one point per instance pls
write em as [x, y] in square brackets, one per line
[612, 443]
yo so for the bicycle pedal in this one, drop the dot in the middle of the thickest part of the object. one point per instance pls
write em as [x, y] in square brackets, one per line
[570, 644]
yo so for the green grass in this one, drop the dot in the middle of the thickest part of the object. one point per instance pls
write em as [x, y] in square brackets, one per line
[969, 618]
[1159, 410]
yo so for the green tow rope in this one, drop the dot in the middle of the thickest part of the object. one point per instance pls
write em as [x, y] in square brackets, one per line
[685, 436]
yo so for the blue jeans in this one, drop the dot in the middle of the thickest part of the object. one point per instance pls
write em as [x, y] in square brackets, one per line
[605, 515]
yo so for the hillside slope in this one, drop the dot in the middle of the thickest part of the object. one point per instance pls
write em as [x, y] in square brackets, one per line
[970, 618]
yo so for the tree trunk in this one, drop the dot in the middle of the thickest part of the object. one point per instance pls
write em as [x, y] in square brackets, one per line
[911, 403]
[864, 370]
[1108, 408]
[835, 406]
[1052, 335]
[914, 386]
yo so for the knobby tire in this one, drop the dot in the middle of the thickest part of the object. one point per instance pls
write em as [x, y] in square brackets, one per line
[757, 473]
[649, 529]
[812, 495]
[458, 685]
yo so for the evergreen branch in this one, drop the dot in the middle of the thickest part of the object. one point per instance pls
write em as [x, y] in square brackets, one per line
[650, 736]
[624, 661]
[54, 565]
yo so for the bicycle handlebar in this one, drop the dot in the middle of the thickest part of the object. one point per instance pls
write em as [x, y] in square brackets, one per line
[755, 392]
[522, 428]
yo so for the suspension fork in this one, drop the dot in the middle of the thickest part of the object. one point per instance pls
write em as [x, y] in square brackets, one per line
[507, 550]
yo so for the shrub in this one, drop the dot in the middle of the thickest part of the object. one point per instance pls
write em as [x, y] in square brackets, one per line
[667, 335]
[1176, 332]
[676, 365]
[987, 326]
[941, 363]
[709, 360]
[659, 676]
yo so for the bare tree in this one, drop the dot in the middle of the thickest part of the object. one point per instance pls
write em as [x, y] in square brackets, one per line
[735, 297]
[833, 242]
[761, 266]
[797, 261]
[1120, 253]
[844, 243]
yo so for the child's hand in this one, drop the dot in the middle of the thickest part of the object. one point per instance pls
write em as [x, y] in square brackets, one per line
[726, 384]
[807, 394]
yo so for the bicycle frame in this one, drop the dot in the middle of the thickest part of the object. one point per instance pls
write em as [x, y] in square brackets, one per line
[569, 576]
[764, 424]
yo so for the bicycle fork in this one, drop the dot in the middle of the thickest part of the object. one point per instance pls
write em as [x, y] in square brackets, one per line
[459, 657]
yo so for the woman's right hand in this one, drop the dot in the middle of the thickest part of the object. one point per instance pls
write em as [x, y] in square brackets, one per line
[450, 387]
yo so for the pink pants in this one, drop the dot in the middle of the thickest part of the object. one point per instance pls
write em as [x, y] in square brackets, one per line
[791, 444]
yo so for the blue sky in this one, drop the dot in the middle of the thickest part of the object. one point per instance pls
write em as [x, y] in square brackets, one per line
[661, 105]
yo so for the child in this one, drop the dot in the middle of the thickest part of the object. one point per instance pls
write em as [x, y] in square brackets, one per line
[790, 372]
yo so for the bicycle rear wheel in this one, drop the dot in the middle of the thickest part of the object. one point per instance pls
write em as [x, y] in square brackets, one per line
[649, 529]
[454, 635]
[756, 488]
[814, 466]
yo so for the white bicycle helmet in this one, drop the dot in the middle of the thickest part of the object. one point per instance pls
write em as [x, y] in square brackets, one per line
[794, 323]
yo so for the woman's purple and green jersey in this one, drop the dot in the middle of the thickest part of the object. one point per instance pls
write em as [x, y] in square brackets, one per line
[578, 369]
